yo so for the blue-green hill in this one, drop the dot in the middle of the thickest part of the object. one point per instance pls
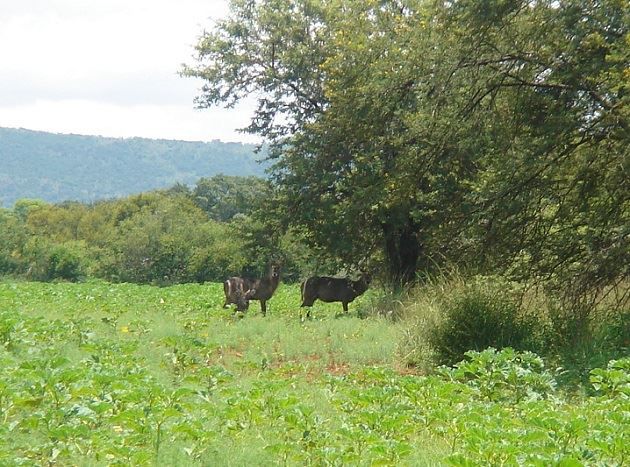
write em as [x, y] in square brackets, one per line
[59, 167]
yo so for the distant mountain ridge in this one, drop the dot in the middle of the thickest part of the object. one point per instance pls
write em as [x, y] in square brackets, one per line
[59, 167]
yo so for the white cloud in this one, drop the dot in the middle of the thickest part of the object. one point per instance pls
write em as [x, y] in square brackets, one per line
[150, 121]
[108, 67]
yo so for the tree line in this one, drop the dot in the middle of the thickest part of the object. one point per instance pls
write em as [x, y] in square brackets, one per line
[203, 233]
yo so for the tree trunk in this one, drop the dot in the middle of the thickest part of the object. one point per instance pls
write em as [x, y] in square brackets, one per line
[402, 250]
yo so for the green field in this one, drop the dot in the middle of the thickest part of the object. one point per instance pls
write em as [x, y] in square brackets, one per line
[121, 374]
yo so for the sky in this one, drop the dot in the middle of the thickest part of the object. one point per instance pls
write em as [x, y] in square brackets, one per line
[109, 68]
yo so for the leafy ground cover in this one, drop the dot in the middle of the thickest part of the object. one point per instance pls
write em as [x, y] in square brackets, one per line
[104, 374]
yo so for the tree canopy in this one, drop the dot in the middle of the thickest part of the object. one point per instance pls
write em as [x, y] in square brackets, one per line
[490, 134]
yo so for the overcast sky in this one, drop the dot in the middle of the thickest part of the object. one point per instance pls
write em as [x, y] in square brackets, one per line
[108, 67]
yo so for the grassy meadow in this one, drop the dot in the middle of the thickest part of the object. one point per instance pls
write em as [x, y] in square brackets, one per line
[120, 374]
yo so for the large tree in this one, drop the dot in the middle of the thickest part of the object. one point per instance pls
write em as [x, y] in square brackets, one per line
[290, 54]
[547, 83]
[492, 133]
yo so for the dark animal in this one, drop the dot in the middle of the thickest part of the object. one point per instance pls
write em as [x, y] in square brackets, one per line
[333, 289]
[245, 289]
[236, 292]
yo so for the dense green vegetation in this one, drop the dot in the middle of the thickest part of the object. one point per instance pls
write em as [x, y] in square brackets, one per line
[471, 155]
[204, 233]
[104, 374]
[492, 134]
[56, 167]
[218, 229]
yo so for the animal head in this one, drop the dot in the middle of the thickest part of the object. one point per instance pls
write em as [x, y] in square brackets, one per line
[275, 271]
[242, 299]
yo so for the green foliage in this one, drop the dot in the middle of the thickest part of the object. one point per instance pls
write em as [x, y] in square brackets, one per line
[26, 206]
[581, 342]
[223, 197]
[49, 261]
[99, 373]
[160, 237]
[492, 135]
[12, 237]
[506, 376]
[614, 381]
[613, 331]
[220, 254]
[154, 239]
[482, 314]
[447, 316]
[64, 262]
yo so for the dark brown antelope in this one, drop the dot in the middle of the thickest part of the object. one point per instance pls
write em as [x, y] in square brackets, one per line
[333, 289]
[245, 289]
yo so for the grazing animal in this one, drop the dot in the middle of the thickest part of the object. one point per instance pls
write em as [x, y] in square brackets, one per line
[252, 289]
[235, 292]
[333, 289]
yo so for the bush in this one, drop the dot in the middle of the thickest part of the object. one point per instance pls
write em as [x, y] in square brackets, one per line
[447, 317]
[153, 240]
[64, 263]
[50, 261]
[481, 314]
[12, 238]
[420, 313]
[614, 381]
[579, 349]
[8, 264]
[216, 263]
[613, 331]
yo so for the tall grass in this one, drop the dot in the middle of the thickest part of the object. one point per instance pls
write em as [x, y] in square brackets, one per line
[451, 314]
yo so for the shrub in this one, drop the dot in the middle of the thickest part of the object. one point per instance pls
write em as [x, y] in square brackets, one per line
[447, 317]
[216, 263]
[63, 263]
[153, 240]
[613, 331]
[8, 264]
[420, 313]
[49, 261]
[605, 337]
[12, 238]
[483, 313]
